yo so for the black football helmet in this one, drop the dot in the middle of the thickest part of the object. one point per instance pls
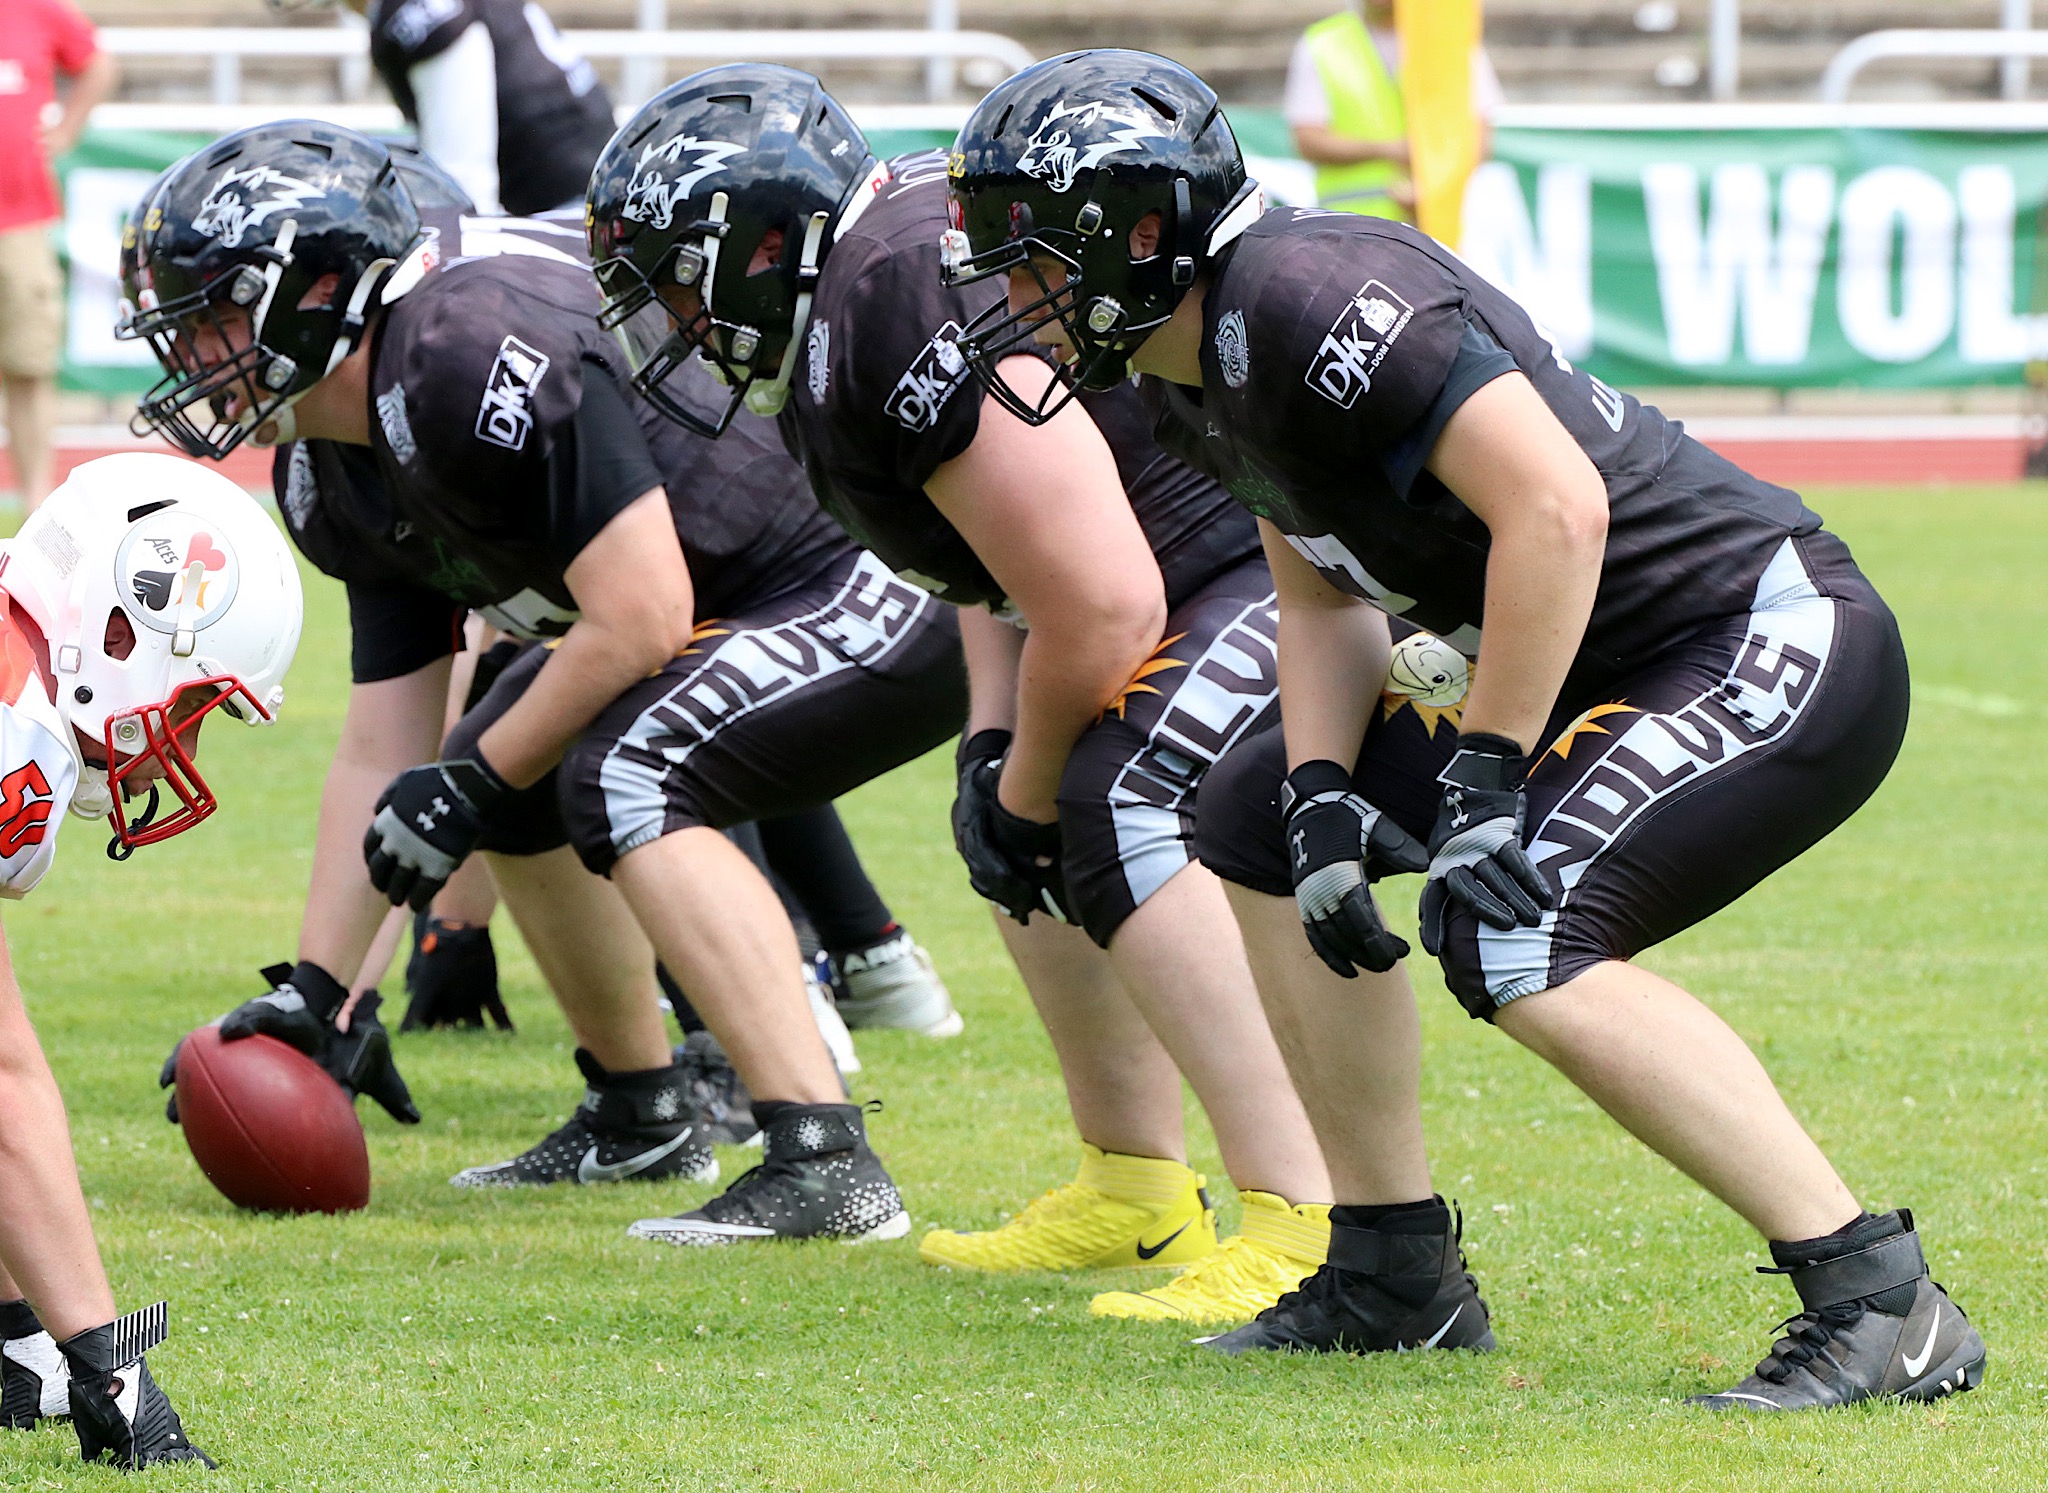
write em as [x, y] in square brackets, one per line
[428, 182]
[230, 248]
[683, 197]
[1052, 171]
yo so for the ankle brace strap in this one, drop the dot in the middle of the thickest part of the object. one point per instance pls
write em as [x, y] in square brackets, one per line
[813, 1130]
[1376, 1252]
[1896, 1261]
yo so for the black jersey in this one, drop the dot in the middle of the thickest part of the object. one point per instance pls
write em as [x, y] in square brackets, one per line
[1336, 347]
[554, 116]
[502, 441]
[886, 399]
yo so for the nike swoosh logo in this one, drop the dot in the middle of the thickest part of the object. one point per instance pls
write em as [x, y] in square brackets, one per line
[1438, 1336]
[590, 1169]
[1146, 1254]
[1915, 1365]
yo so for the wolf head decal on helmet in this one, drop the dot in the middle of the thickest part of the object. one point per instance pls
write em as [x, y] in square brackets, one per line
[710, 215]
[257, 263]
[1050, 175]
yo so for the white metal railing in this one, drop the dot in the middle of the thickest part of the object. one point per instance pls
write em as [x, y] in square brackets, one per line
[226, 47]
[1876, 46]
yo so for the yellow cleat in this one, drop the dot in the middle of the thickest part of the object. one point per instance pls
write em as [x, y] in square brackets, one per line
[1277, 1249]
[1119, 1211]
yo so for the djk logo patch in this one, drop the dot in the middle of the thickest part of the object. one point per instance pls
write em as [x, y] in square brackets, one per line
[1351, 352]
[926, 385]
[505, 416]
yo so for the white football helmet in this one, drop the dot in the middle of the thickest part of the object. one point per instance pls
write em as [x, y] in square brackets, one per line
[150, 576]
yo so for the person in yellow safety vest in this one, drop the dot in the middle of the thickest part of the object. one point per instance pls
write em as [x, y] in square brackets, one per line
[1343, 102]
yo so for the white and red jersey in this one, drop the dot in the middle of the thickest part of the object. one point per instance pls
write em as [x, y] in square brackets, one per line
[39, 767]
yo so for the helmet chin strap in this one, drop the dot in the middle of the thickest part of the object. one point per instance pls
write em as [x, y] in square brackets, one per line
[352, 323]
[768, 399]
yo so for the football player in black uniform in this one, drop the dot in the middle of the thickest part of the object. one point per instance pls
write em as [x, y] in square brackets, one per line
[1117, 616]
[1683, 680]
[498, 96]
[462, 443]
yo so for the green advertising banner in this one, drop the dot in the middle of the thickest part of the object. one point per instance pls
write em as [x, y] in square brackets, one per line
[1790, 258]
[1784, 257]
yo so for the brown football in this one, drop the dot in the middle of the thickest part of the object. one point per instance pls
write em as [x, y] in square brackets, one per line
[268, 1126]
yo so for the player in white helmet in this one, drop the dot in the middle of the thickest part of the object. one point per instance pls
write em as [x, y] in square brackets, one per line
[145, 597]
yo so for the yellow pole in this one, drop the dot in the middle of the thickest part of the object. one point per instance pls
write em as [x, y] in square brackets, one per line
[1438, 38]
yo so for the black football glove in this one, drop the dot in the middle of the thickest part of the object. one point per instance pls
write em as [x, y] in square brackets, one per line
[300, 1010]
[1013, 862]
[1336, 844]
[1476, 854]
[452, 977]
[428, 821]
[117, 1409]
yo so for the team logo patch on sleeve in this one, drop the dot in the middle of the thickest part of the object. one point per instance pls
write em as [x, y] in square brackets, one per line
[1351, 352]
[397, 422]
[1233, 353]
[505, 416]
[818, 349]
[415, 21]
[932, 378]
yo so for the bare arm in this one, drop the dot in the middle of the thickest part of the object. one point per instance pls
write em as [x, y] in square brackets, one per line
[1045, 510]
[1513, 464]
[95, 82]
[391, 725]
[995, 651]
[1323, 146]
[634, 595]
[1333, 659]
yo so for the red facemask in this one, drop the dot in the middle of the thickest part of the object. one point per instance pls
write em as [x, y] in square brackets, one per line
[143, 735]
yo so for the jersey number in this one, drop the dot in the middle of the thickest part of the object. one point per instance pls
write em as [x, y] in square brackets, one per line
[25, 804]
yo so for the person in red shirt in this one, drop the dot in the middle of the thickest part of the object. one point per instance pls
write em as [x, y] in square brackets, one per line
[38, 40]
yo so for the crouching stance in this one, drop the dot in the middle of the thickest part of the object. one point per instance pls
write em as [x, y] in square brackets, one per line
[1141, 648]
[144, 596]
[704, 649]
[1682, 680]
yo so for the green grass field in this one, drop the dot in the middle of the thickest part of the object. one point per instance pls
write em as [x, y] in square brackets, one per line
[444, 1340]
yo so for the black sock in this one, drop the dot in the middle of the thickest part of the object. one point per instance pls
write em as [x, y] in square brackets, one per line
[1370, 1215]
[812, 855]
[768, 1111]
[17, 1320]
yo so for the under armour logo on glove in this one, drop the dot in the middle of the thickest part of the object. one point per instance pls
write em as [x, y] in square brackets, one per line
[449, 802]
[1338, 843]
[434, 814]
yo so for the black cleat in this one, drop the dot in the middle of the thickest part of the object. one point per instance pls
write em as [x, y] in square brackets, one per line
[1398, 1285]
[120, 1414]
[1875, 1326]
[630, 1127]
[716, 1091]
[452, 977]
[817, 1180]
[34, 1383]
